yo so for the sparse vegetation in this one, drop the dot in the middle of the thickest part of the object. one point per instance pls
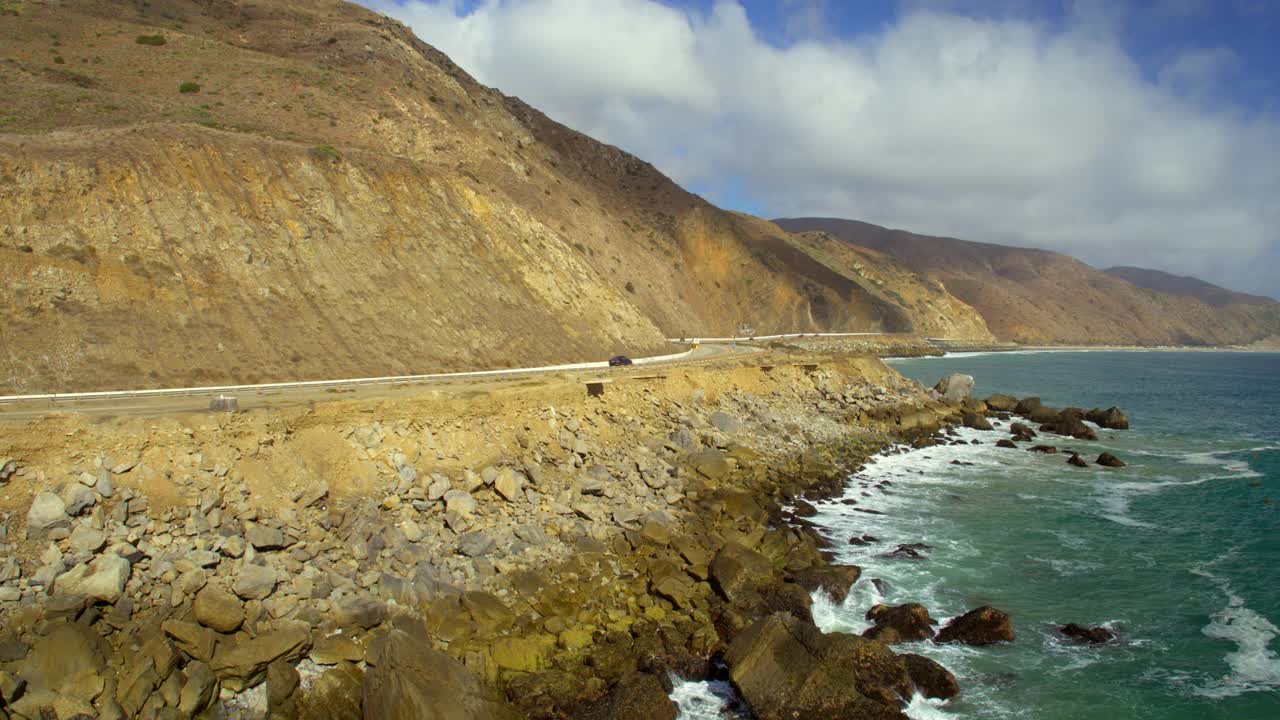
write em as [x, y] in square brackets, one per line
[189, 87]
[58, 60]
[327, 151]
[156, 39]
[631, 288]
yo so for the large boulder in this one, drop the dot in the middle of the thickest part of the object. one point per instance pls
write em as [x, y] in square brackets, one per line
[1106, 459]
[1002, 403]
[1112, 418]
[900, 623]
[1026, 405]
[243, 664]
[102, 579]
[408, 680]
[218, 609]
[1090, 635]
[1044, 415]
[785, 668]
[47, 512]
[834, 580]
[737, 570]
[981, 626]
[976, 421]
[638, 695]
[931, 679]
[955, 388]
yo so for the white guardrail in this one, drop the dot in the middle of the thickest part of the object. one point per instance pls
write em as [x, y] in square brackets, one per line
[305, 384]
[749, 338]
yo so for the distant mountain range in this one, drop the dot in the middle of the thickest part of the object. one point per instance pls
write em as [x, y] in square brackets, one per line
[1037, 296]
[1205, 292]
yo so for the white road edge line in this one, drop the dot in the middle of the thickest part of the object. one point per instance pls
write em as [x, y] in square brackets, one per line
[159, 392]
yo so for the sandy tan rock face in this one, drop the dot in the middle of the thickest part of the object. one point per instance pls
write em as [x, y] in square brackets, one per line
[339, 200]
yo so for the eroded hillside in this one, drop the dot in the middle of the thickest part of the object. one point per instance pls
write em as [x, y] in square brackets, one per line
[237, 192]
[1036, 296]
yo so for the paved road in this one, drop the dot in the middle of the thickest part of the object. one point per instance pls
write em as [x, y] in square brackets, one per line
[188, 400]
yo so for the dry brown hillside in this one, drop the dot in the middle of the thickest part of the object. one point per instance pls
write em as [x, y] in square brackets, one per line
[1036, 296]
[247, 191]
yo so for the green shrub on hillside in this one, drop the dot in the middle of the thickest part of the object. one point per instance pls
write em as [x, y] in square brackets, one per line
[328, 151]
[189, 87]
[150, 40]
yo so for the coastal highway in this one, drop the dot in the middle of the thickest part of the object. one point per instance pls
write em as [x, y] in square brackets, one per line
[197, 399]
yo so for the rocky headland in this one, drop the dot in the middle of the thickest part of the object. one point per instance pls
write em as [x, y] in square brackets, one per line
[519, 551]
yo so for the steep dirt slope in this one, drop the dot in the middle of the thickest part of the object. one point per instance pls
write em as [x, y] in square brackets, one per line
[233, 191]
[1205, 292]
[1036, 296]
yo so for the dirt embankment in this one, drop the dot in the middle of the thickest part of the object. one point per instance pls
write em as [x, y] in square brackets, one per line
[549, 553]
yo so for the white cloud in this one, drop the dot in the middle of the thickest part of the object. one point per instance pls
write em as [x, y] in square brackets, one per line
[998, 129]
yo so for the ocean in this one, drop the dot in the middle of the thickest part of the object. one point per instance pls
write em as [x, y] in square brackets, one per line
[1178, 553]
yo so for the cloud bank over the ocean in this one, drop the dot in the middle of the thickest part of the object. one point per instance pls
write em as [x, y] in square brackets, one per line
[1007, 130]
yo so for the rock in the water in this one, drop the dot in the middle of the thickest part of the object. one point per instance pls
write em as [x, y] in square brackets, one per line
[102, 579]
[955, 388]
[1106, 459]
[255, 582]
[1091, 635]
[785, 668]
[909, 551]
[1005, 443]
[1002, 403]
[1077, 461]
[1112, 418]
[901, 623]
[981, 626]
[1026, 405]
[408, 680]
[218, 609]
[930, 678]
[1046, 449]
[243, 665]
[834, 580]
[47, 512]
[976, 421]
[1044, 415]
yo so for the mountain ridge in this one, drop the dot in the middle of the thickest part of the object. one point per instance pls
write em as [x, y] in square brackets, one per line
[289, 191]
[1035, 296]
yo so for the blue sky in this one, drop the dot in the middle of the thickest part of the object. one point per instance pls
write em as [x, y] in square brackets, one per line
[1143, 133]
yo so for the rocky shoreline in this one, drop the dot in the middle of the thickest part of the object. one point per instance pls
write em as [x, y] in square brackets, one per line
[534, 552]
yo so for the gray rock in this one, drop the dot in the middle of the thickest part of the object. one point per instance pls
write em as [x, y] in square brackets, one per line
[48, 511]
[460, 502]
[955, 388]
[439, 486]
[475, 544]
[263, 537]
[244, 665]
[10, 569]
[85, 539]
[102, 579]
[233, 546]
[489, 474]
[204, 558]
[510, 484]
[724, 422]
[77, 498]
[255, 582]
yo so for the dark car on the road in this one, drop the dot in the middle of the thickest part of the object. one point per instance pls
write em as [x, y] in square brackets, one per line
[619, 361]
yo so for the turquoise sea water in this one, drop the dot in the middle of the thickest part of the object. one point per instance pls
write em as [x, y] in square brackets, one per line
[1179, 553]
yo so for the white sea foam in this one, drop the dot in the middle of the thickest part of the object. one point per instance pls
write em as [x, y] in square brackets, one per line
[1066, 568]
[703, 700]
[923, 708]
[1255, 667]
